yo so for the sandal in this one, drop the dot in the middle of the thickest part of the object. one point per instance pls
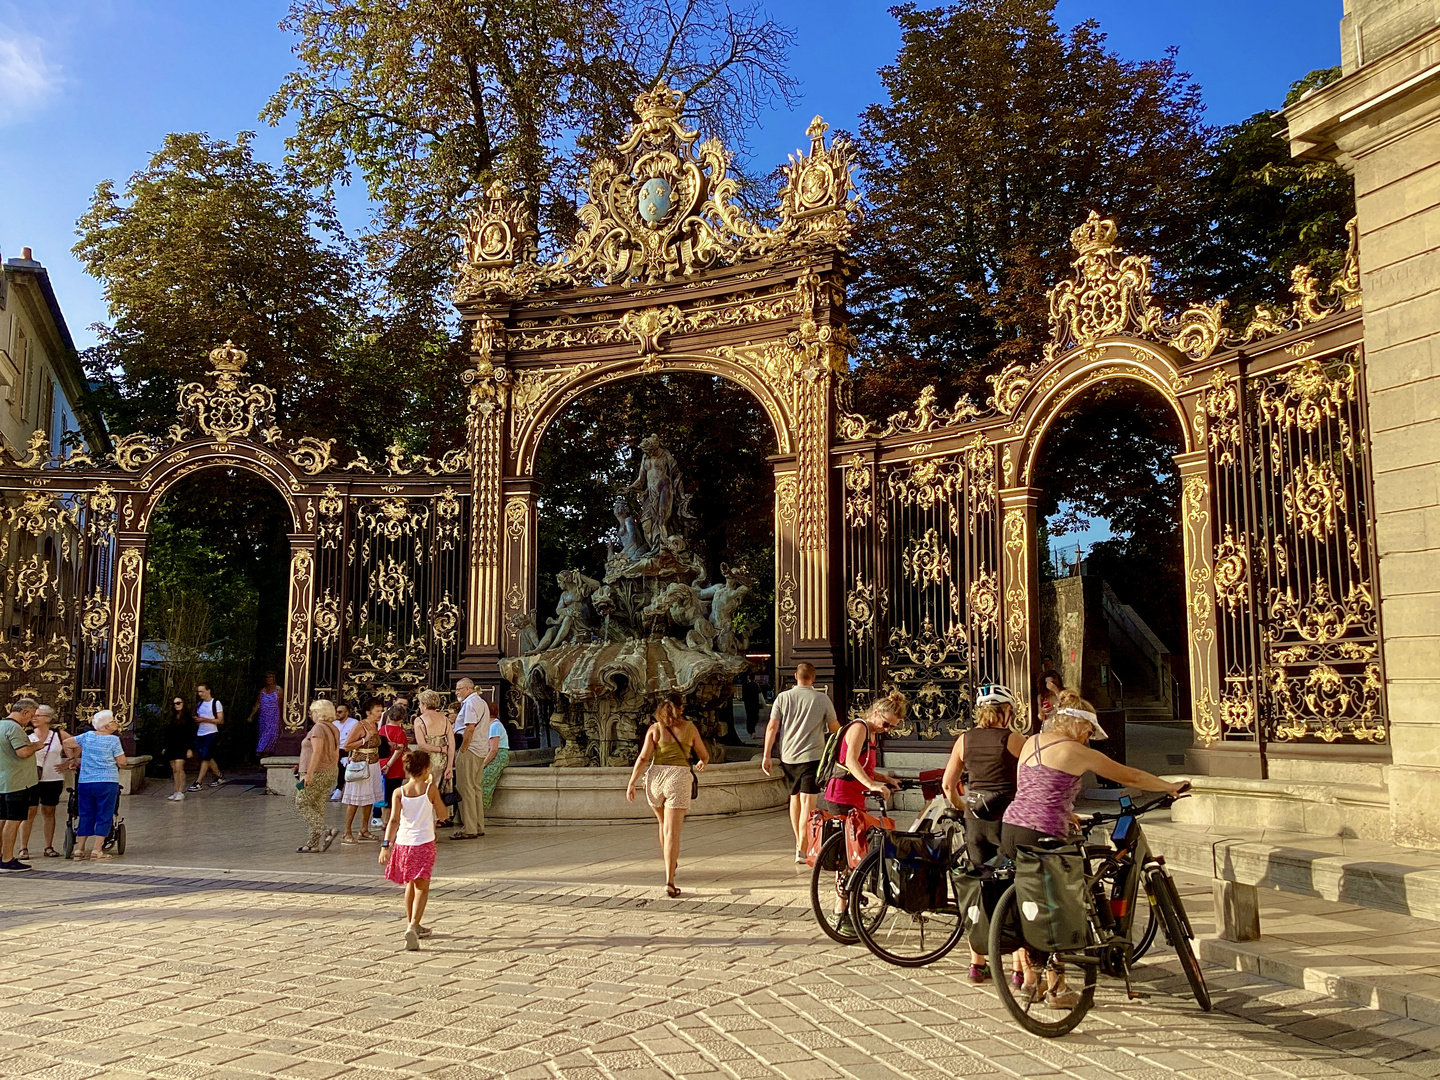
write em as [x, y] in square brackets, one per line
[368, 838]
[101, 855]
[464, 836]
[51, 853]
[329, 839]
[671, 889]
[348, 841]
[307, 850]
[23, 853]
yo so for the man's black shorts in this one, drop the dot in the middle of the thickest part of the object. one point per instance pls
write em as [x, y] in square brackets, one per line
[804, 779]
[15, 805]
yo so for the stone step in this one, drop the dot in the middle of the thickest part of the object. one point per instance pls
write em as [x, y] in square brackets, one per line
[1356, 810]
[1345, 870]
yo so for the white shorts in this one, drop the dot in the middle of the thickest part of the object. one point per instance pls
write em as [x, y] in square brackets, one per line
[667, 786]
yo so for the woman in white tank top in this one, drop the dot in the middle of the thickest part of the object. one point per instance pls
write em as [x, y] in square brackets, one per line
[408, 850]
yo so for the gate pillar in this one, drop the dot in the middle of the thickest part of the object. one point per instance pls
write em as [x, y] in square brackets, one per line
[487, 421]
[125, 626]
[805, 593]
[299, 632]
[1020, 631]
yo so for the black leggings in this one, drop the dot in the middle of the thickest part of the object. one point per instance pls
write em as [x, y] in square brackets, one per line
[1013, 835]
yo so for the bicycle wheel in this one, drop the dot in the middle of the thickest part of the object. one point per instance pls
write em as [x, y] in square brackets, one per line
[899, 937]
[827, 888]
[1030, 1009]
[1167, 901]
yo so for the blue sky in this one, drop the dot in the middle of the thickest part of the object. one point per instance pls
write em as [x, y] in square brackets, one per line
[89, 88]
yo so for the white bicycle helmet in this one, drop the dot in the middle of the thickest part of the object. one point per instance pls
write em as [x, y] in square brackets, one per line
[994, 694]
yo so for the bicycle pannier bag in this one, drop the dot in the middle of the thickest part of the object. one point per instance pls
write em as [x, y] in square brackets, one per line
[819, 829]
[977, 894]
[1050, 895]
[917, 871]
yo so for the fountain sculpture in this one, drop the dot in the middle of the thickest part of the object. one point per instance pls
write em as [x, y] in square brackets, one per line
[652, 628]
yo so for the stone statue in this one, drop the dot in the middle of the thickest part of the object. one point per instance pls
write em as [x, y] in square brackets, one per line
[569, 620]
[663, 494]
[725, 597]
[522, 624]
[632, 547]
[680, 603]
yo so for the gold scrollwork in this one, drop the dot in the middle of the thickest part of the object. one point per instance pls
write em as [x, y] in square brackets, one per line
[1313, 497]
[445, 621]
[860, 611]
[933, 671]
[1232, 566]
[859, 492]
[787, 500]
[312, 455]
[227, 411]
[30, 581]
[926, 559]
[984, 603]
[95, 619]
[391, 582]
[787, 607]
[517, 513]
[1221, 407]
[327, 620]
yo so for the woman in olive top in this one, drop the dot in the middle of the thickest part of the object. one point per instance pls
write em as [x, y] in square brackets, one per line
[669, 741]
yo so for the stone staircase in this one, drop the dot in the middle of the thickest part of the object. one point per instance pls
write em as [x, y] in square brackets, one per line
[1142, 707]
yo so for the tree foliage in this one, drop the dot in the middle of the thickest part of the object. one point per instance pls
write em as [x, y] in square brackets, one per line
[721, 438]
[431, 100]
[208, 243]
[1000, 133]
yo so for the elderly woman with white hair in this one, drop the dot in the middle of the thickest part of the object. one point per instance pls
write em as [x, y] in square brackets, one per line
[97, 788]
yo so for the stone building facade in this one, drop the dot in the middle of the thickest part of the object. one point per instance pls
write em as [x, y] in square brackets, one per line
[1381, 122]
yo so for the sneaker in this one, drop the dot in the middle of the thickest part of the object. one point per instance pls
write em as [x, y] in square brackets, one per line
[217, 783]
[376, 823]
[800, 855]
[335, 795]
[14, 864]
[412, 938]
[1063, 998]
[979, 973]
[193, 787]
[425, 932]
[843, 925]
[178, 796]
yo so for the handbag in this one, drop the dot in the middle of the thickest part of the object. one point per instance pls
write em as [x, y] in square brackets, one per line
[356, 770]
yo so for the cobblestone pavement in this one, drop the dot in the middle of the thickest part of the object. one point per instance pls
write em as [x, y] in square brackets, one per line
[124, 970]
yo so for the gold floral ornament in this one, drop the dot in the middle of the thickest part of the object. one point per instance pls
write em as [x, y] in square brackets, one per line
[95, 619]
[817, 201]
[984, 601]
[391, 582]
[1310, 303]
[1232, 565]
[926, 560]
[860, 611]
[1314, 497]
[327, 619]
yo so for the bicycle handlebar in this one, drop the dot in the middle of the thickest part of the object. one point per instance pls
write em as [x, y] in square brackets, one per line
[1161, 802]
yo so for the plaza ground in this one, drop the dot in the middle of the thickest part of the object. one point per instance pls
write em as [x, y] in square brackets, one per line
[213, 950]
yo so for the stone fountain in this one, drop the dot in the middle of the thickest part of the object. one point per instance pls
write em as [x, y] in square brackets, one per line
[651, 629]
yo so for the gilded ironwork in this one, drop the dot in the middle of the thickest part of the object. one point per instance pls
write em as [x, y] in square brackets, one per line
[932, 669]
[860, 611]
[859, 492]
[926, 560]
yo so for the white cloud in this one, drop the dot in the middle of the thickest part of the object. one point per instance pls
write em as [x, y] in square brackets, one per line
[26, 79]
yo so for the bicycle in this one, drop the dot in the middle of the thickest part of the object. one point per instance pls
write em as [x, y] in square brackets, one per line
[1123, 866]
[905, 889]
[841, 853]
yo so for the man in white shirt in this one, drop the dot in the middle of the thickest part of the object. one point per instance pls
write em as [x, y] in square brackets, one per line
[802, 717]
[471, 728]
[210, 714]
[344, 725]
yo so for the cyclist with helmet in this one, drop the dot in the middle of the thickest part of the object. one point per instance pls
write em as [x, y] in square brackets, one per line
[980, 778]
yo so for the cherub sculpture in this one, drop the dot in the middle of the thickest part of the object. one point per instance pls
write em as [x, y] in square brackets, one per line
[569, 620]
[680, 603]
[725, 597]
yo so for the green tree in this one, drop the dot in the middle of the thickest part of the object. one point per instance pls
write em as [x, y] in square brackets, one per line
[431, 100]
[1001, 132]
[209, 243]
[1269, 213]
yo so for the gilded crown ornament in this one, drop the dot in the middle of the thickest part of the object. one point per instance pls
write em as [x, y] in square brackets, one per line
[660, 206]
[228, 358]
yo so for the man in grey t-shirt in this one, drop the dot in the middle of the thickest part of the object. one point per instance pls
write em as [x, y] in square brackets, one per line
[801, 717]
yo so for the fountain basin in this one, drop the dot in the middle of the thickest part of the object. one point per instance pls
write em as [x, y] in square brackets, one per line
[596, 796]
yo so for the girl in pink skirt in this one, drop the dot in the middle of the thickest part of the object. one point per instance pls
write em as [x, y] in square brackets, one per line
[413, 810]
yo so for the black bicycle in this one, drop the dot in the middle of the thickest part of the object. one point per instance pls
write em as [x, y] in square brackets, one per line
[1113, 876]
[849, 840]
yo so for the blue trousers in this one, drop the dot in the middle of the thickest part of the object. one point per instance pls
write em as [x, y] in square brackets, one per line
[97, 808]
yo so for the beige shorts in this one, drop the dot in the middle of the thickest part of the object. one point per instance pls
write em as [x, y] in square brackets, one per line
[667, 786]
